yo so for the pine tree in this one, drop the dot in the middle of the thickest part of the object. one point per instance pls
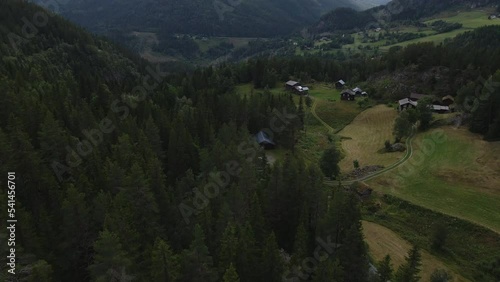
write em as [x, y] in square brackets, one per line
[229, 247]
[75, 233]
[197, 264]
[408, 272]
[110, 261]
[164, 263]
[300, 245]
[329, 270]
[353, 256]
[329, 162]
[248, 254]
[272, 262]
[41, 271]
[231, 275]
[385, 269]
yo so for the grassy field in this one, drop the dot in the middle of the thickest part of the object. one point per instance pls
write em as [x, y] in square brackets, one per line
[364, 138]
[456, 174]
[335, 112]
[469, 250]
[383, 241]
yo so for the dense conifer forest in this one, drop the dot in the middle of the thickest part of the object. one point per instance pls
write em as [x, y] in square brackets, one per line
[126, 172]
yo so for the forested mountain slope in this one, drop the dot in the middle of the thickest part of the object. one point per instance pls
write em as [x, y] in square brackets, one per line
[124, 173]
[249, 18]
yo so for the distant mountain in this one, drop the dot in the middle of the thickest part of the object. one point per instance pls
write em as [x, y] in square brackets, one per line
[348, 18]
[243, 18]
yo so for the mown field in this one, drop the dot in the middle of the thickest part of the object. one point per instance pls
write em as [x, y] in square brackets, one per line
[364, 138]
[469, 250]
[451, 171]
[382, 241]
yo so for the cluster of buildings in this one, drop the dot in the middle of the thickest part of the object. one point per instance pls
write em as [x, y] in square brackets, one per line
[349, 94]
[442, 105]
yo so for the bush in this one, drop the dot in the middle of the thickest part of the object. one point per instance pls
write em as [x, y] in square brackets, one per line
[440, 275]
[388, 146]
[356, 164]
[439, 237]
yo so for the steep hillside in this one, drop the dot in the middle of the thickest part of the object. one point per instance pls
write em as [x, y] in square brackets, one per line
[100, 159]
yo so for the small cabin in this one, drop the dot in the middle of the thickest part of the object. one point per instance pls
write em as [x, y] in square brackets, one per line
[340, 84]
[357, 91]
[406, 103]
[290, 85]
[440, 109]
[348, 95]
[264, 140]
[302, 90]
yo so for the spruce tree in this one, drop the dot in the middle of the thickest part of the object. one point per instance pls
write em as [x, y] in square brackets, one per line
[164, 263]
[231, 275]
[408, 272]
[385, 269]
[110, 261]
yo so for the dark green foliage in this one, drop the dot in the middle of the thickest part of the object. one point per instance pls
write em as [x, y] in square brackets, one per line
[440, 275]
[385, 269]
[108, 216]
[424, 113]
[402, 126]
[41, 271]
[408, 272]
[440, 235]
[329, 162]
[356, 164]
[387, 145]
[329, 270]
[231, 275]
[254, 18]
[442, 26]
[110, 261]
[164, 263]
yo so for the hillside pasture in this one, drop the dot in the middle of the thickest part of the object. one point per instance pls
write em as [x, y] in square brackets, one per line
[332, 110]
[451, 171]
[364, 138]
